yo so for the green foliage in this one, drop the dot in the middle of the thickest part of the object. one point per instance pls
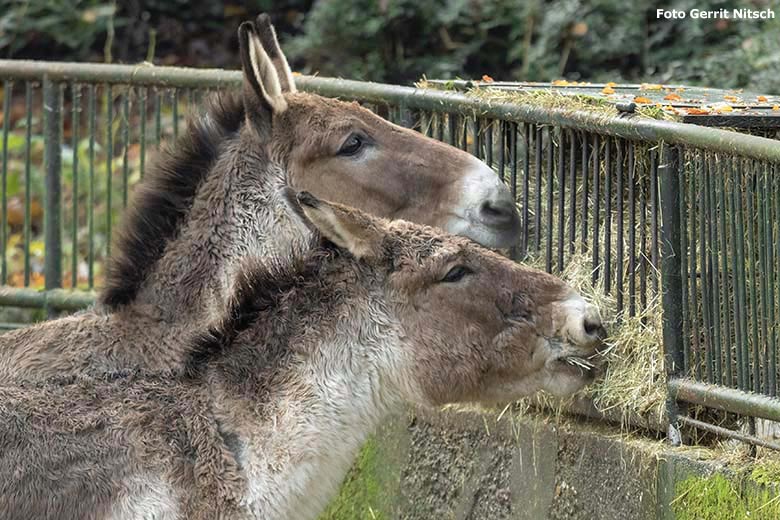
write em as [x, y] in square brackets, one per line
[71, 26]
[400, 40]
[718, 498]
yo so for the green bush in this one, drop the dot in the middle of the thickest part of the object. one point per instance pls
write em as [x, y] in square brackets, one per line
[399, 41]
[54, 28]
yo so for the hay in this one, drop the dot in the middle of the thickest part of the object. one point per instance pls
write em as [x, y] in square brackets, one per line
[553, 99]
[634, 384]
[633, 389]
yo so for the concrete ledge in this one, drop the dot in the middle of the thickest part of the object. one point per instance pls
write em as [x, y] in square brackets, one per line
[468, 465]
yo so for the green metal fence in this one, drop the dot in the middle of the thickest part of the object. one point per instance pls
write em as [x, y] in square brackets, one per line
[661, 210]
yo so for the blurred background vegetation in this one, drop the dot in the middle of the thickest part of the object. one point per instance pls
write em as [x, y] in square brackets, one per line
[395, 41]
[398, 41]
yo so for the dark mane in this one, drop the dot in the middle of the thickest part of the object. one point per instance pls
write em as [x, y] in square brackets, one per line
[163, 199]
[258, 290]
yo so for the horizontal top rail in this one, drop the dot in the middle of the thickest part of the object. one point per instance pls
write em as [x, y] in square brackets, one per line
[634, 128]
[57, 299]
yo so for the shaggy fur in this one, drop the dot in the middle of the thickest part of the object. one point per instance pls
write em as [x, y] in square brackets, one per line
[162, 201]
[309, 357]
[211, 201]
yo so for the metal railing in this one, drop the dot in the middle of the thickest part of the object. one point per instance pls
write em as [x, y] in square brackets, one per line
[662, 210]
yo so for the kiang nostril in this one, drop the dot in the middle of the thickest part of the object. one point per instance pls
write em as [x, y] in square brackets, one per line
[595, 328]
[497, 211]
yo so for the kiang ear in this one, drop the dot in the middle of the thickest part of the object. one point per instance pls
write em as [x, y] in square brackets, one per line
[270, 43]
[262, 86]
[345, 227]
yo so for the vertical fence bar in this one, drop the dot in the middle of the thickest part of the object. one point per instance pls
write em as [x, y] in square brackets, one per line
[549, 181]
[109, 162]
[654, 219]
[763, 245]
[671, 276]
[773, 373]
[175, 107]
[489, 127]
[643, 239]
[724, 268]
[561, 195]
[607, 215]
[53, 166]
[513, 160]
[693, 300]
[157, 117]
[738, 310]
[513, 174]
[596, 207]
[426, 124]
[631, 231]
[715, 275]
[584, 163]
[526, 186]
[28, 102]
[476, 149]
[464, 143]
[125, 144]
[703, 174]
[76, 137]
[7, 94]
[452, 129]
[740, 270]
[91, 188]
[142, 137]
[684, 212]
[538, 188]
[572, 190]
[502, 126]
[620, 243]
[752, 242]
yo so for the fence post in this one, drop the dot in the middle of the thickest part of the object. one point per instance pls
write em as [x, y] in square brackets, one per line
[671, 277]
[53, 166]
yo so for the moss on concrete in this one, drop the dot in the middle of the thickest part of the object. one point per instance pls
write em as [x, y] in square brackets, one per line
[361, 493]
[766, 472]
[717, 497]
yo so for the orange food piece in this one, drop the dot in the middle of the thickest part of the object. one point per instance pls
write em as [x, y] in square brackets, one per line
[673, 97]
[560, 83]
[762, 99]
[651, 86]
[696, 111]
[487, 79]
[775, 107]
[642, 100]
[608, 90]
[612, 84]
[732, 99]
[579, 29]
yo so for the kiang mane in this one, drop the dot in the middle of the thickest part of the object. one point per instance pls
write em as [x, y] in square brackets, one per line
[258, 291]
[162, 201]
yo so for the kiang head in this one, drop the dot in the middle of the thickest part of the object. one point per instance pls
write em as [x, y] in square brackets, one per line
[344, 153]
[470, 325]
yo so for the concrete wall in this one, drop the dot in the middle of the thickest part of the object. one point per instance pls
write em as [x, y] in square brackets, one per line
[463, 465]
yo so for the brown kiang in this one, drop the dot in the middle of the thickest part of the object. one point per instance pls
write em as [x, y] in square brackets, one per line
[312, 353]
[210, 200]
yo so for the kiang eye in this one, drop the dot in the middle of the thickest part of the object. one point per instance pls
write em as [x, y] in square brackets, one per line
[351, 146]
[456, 274]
